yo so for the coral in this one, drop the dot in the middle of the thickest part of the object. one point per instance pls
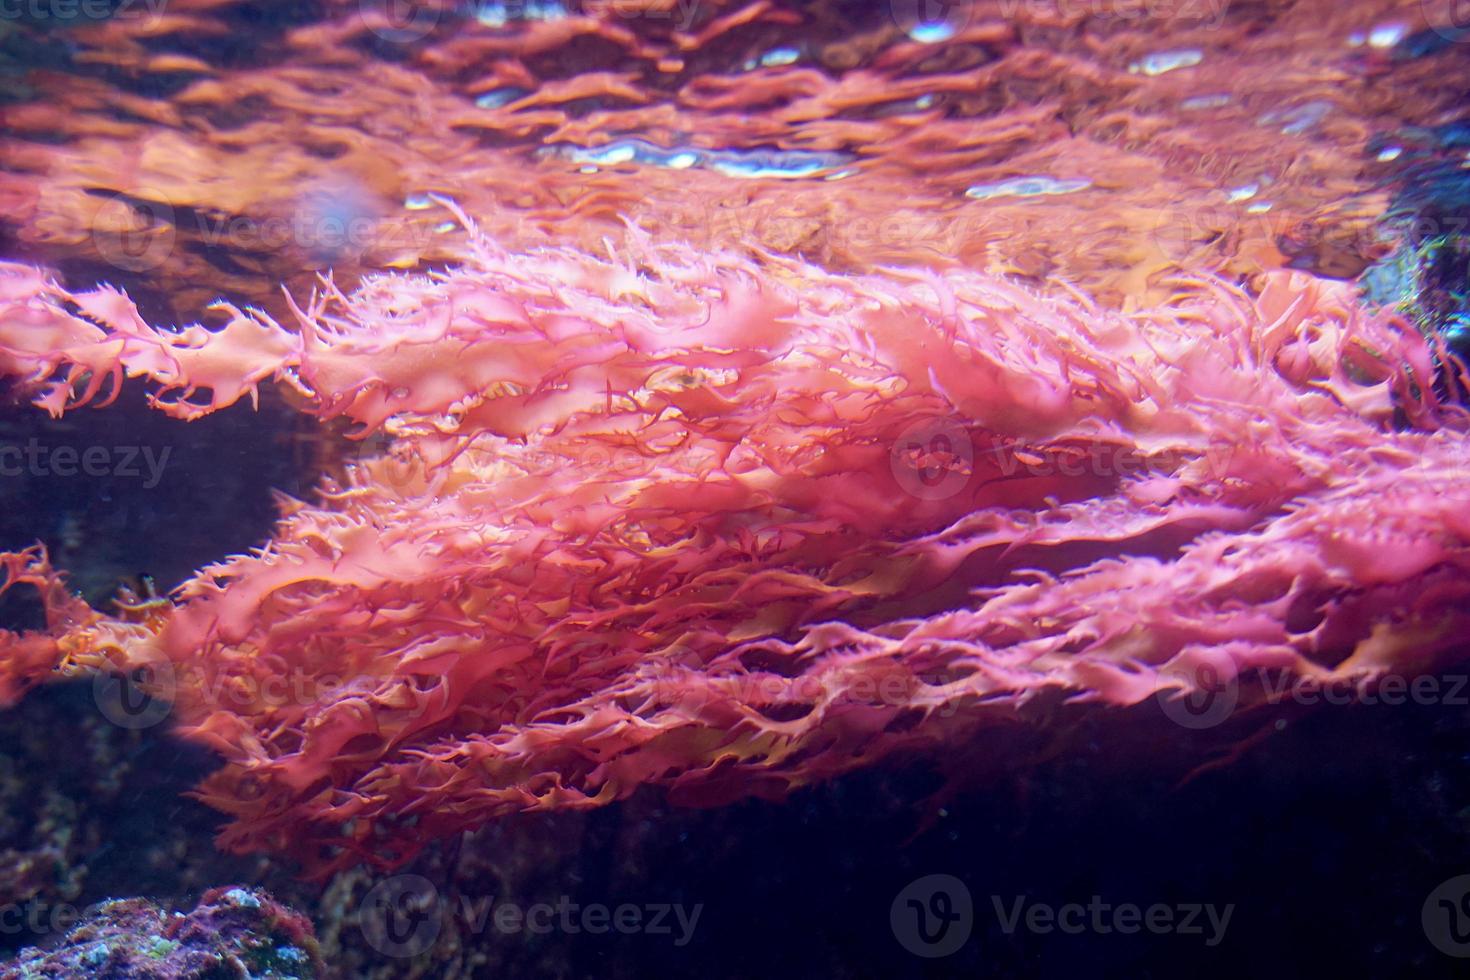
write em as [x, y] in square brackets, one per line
[688, 520]
[231, 932]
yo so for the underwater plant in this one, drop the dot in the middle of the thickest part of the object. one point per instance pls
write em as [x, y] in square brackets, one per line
[729, 527]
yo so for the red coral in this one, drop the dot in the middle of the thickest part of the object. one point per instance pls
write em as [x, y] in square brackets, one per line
[685, 520]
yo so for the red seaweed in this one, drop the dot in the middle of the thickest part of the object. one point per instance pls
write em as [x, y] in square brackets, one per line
[727, 527]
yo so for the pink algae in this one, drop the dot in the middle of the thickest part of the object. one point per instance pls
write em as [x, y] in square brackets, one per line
[730, 526]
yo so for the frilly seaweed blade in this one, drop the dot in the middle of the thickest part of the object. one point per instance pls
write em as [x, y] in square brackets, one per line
[730, 527]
